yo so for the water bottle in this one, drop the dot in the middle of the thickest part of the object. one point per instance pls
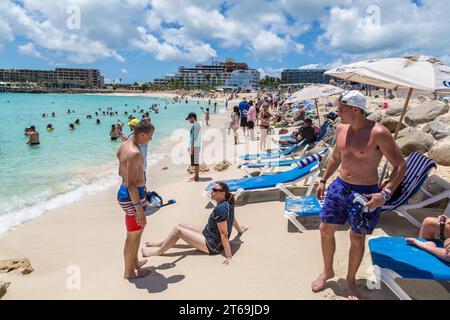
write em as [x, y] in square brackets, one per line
[362, 201]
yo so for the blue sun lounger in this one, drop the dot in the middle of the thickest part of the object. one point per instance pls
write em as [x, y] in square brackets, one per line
[393, 258]
[418, 167]
[308, 167]
[269, 166]
[274, 154]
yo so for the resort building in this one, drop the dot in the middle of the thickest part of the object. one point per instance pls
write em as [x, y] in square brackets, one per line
[243, 80]
[214, 74]
[64, 78]
[304, 76]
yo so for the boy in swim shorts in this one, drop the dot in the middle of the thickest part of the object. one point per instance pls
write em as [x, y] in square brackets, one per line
[131, 195]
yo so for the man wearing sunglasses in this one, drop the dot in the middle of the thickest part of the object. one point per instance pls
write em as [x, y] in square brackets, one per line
[360, 145]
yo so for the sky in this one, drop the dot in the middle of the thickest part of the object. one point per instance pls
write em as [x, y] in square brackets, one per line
[139, 40]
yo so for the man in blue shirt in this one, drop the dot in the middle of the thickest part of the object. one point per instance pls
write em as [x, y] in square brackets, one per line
[194, 144]
[243, 109]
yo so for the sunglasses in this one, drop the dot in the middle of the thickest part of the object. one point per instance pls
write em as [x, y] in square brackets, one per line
[217, 190]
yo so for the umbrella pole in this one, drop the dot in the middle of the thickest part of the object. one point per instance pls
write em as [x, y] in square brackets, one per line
[317, 110]
[399, 125]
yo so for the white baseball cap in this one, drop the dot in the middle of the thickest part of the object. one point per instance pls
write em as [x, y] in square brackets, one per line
[355, 99]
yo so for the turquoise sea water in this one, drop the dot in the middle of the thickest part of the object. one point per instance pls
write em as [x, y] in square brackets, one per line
[68, 165]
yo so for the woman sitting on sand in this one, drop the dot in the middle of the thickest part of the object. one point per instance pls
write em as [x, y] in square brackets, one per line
[215, 235]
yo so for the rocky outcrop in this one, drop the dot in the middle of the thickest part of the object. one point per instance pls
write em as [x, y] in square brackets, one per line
[203, 168]
[415, 142]
[391, 124]
[440, 152]
[425, 112]
[376, 116]
[21, 265]
[439, 128]
[222, 166]
[394, 111]
[406, 132]
[3, 287]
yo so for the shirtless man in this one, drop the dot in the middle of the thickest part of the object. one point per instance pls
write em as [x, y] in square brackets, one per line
[131, 195]
[33, 136]
[360, 146]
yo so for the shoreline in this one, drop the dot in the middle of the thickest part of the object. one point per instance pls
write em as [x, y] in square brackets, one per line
[87, 236]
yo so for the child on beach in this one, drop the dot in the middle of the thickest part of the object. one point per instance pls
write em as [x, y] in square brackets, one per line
[234, 123]
[131, 195]
[214, 237]
[207, 116]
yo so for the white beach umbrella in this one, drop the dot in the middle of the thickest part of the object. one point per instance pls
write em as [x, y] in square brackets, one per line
[420, 73]
[313, 93]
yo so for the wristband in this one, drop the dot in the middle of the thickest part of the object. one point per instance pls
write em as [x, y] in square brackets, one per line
[137, 203]
[388, 191]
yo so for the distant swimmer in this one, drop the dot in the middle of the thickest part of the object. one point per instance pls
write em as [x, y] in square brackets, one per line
[71, 127]
[125, 113]
[97, 121]
[114, 133]
[43, 115]
[33, 136]
[68, 111]
[88, 116]
[77, 121]
[53, 114]
[96, 113]
[50, 127]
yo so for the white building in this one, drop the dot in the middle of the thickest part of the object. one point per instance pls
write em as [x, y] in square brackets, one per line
[243, 80]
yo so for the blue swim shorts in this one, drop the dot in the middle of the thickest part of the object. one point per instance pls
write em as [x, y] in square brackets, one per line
[339, 207]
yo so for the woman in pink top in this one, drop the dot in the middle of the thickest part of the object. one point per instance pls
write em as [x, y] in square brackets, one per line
[251, 119]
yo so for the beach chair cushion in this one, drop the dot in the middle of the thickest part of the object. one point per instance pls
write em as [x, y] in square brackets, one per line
[303, 206]
[407, 260]
[267, 181]
[316, 157]
[418, 167]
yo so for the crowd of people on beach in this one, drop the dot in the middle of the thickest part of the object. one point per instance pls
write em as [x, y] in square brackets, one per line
[359, 146]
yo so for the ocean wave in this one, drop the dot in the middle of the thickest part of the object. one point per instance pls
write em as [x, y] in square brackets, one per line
[88, 182]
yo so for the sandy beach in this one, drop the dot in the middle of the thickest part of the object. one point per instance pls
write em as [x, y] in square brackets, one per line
[270, 261]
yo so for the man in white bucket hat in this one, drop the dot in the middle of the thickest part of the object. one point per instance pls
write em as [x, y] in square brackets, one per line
[360, 145]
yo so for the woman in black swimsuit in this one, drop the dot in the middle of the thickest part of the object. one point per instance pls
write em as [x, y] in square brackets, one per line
[214, 237]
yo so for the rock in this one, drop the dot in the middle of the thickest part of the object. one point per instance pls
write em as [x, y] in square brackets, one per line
[394, 111]
[165, 168]
[283, 131]
[203, 168]
[417, 141]
[391, 124]
[406, 132]
[439, 128]
[440, 152]
[3, 287]
[21, 265]
[222, 166]
[376, 116]
[425, 112]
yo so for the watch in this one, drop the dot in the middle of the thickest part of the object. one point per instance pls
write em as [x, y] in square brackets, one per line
[386, 196]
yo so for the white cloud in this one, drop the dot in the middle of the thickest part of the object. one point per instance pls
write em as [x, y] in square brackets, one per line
[29, 50]
[269, 71]
[178, 47]
[310, 66]
[124, 71]
[382, 28]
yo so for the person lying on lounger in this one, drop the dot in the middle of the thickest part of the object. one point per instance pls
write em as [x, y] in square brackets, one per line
[306, 133]
[431, 230]
[215, 235]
